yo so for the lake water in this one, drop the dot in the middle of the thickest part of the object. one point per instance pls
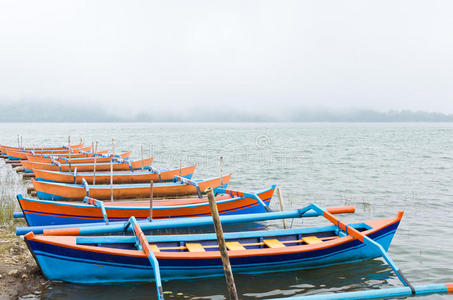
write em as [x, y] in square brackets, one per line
[379, 168]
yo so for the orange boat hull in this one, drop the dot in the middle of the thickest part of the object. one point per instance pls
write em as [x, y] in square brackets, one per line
[57, 191]
[74, 160]
[118, 177]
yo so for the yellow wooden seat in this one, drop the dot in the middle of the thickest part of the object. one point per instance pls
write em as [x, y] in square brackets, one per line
[234, 246]
[311, 240]
[273, 243]
[154, 248]
[195, 247]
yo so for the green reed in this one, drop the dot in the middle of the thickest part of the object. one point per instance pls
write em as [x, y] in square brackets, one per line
[11, 184]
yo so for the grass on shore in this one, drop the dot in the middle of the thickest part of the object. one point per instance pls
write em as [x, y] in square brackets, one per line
[11, 184]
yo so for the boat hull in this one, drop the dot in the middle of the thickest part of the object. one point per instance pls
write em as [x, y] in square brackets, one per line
[82, 264]
[88, 167]
[75, 160]
[41, 212]
[118, 177]
[60, 191]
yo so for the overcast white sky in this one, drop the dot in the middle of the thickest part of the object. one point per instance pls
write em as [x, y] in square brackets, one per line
[248, 54]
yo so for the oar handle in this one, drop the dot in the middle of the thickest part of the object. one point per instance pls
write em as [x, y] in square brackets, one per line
[348, 229]
[341, 210]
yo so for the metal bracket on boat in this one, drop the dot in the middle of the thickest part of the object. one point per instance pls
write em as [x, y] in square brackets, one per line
[155, 171]
[97, 203]
[130, 165]
[142, 244]
[188, 181]
[75, 175]
[57, 163]
[87, 188]
[243, 194]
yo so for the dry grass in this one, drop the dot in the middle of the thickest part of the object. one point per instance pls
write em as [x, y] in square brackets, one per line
[11, 184]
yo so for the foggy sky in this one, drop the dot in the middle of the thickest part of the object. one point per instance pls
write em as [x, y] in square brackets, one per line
[130, 56]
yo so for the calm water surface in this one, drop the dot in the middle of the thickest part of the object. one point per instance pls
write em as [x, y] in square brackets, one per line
[379, 168]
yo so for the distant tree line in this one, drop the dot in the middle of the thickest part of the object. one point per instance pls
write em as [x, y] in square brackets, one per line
[60, 112]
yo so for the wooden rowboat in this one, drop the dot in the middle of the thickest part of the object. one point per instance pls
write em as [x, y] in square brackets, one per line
[126, 165]
[65, 191]
[44, 212]
[115, 259]
[75, 160]
[73, 155]
[118, 177]
[22, 155]
[2, 147]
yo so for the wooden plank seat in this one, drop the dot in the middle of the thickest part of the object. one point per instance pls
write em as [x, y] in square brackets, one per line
[195, 247]
[235, 245]
[311, 240]
[273, 243]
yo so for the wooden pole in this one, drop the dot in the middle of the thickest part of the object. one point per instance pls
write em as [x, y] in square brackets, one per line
[282, 207]
[232, 292]
[111, 180]
[151, 193]
[141, 151]
[69, 156]
[81, 141]
[21, 141]
[111, 171]
[221, 170]
[18, 141]
[180, 166]
[95, 158]
[69, 149]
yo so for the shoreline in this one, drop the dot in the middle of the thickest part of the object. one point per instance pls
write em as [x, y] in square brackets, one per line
[19, 274]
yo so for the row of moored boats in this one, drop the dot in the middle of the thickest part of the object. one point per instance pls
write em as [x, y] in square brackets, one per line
[89, 222]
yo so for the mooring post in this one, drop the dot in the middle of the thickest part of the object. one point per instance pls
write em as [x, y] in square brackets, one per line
[151, 194]
[94, 167]
[111, 171]
[18, 141]
[221, 170]
[21, 141]
[69, 149]
[180, 167]
[282, 206]
[141, 152]
[232, 292]
[111, 180]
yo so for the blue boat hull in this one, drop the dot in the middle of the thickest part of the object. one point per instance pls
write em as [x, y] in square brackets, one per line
[88, 267]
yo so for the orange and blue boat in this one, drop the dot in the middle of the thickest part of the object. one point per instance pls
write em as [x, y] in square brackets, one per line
[2, 147]
[183, 187]
[44, 212]
[22, 154]
[139, 176]
[118, 165]
[76, 160]
[75, 255]
[118, 259]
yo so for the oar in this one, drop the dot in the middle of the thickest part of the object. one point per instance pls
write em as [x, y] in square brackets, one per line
[368, 241]
[142, 244]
